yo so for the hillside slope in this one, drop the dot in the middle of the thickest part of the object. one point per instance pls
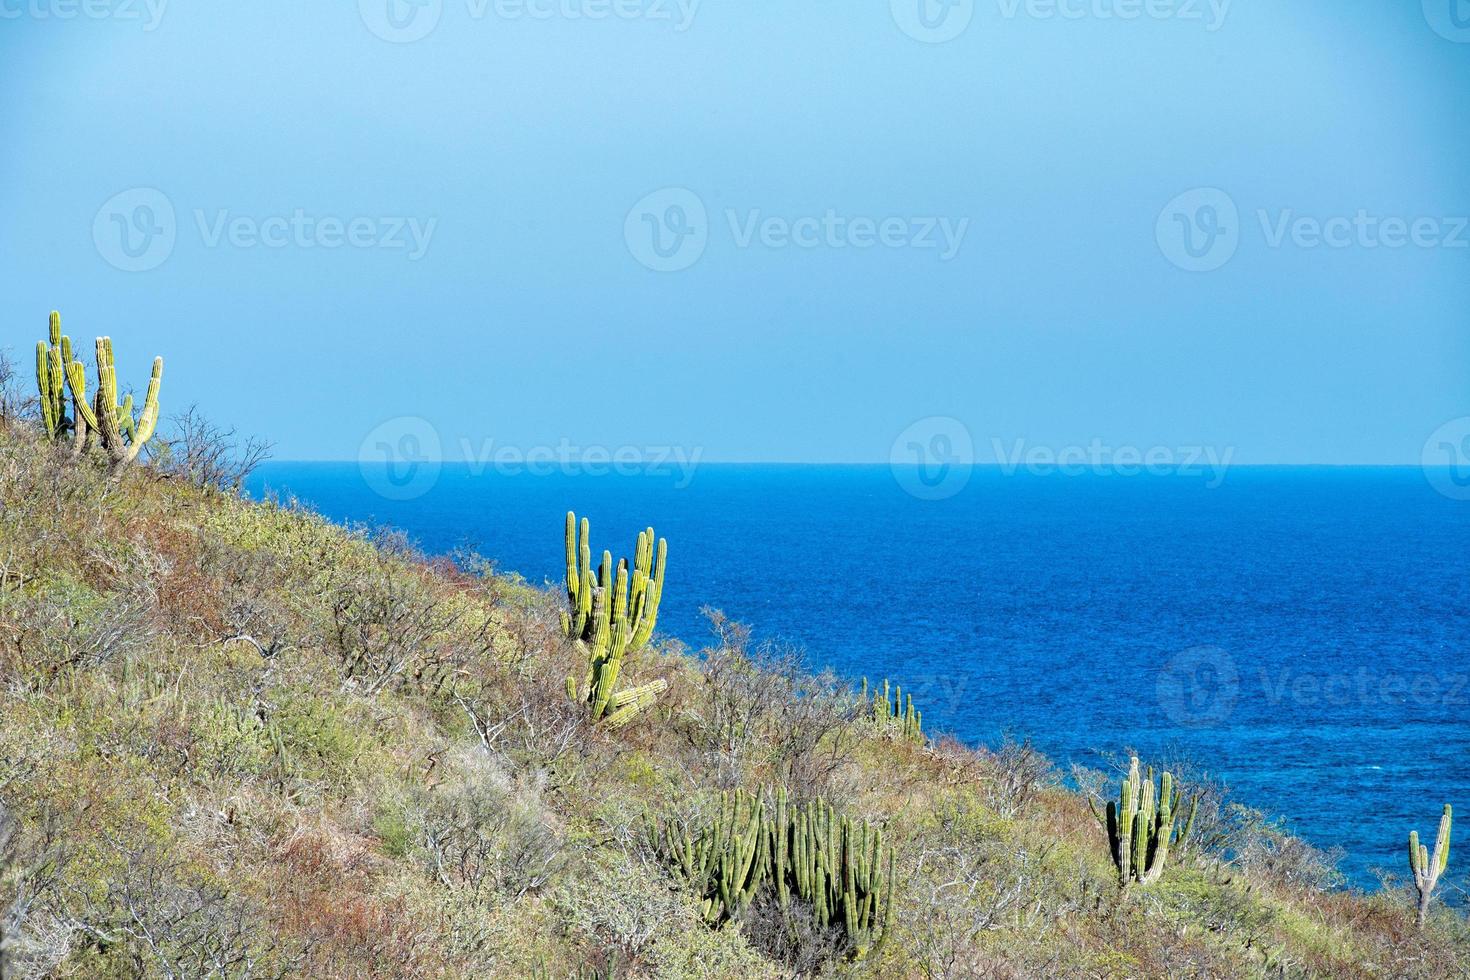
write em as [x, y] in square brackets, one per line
[240, 741]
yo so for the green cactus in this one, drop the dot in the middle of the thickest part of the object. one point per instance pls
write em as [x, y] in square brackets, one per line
[122, 437]
[837, 867]
[898, 712]
[610, 615]
[51, 363]
[726, 862]
[1143, 824]
[1426, 867]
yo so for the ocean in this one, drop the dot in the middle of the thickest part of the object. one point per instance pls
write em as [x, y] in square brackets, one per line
[1299, 633]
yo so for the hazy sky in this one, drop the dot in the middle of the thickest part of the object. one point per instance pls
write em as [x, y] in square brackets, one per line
[771, 231]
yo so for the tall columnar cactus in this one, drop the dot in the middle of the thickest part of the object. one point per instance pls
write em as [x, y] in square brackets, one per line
[838, 868]
[51, 364]
[1428, 867]
[898, 712]
[122, 437]
[727, 860]
[610, 615]
[1143, 824]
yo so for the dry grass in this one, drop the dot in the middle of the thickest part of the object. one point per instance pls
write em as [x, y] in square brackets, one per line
[239, 741]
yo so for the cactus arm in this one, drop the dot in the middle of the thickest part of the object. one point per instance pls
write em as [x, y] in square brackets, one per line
[76, 378]
[43, 385]
[1442, 842]
[143, 431]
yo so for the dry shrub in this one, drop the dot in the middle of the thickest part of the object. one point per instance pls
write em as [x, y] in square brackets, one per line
[200, 452]
[389, 618]
[488, 836]
[327, 896]
[1017, 773]
[758, 712]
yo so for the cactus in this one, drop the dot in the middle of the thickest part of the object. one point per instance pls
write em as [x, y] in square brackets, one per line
[1143, 824]
[609, 616]
[726, 862]
[51, 365]
[121, 436]
[899, 711]
[839, 868]
[1426, 867]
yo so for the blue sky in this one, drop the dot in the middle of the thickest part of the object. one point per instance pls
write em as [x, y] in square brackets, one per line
[861, 224]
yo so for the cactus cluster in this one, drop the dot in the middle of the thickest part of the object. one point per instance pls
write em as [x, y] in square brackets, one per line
[101, 419]
[611, 614]
[1428, 867]
[836, 867]
[889, 707]
[1143, 824]
[726, 860]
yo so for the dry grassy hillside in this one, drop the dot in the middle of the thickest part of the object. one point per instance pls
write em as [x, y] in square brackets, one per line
[240, 741]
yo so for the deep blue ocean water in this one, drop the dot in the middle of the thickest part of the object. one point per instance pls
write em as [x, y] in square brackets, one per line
[1298, 632]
